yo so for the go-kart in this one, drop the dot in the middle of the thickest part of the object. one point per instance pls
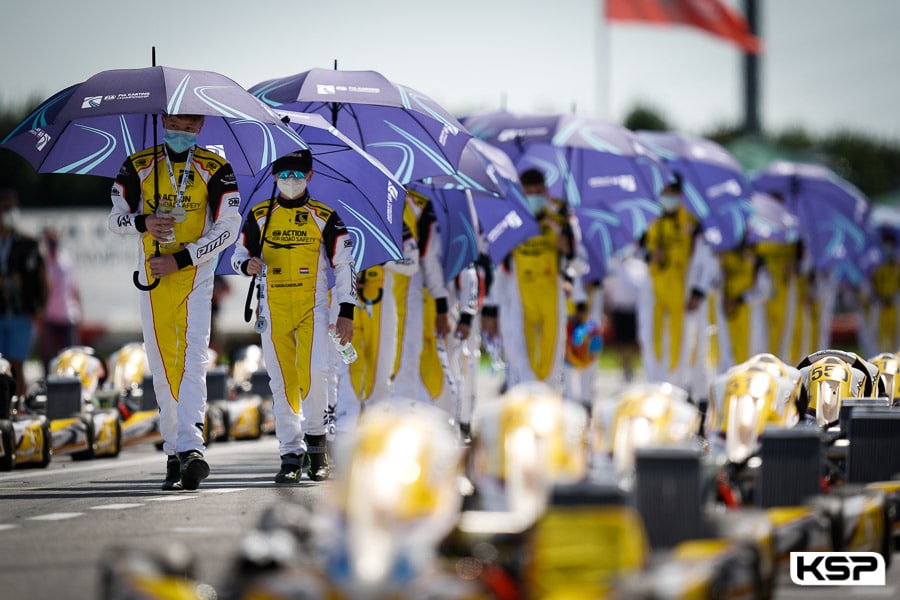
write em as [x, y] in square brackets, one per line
[24, 439]
[243, 397]
[80, 425]
[127, 368]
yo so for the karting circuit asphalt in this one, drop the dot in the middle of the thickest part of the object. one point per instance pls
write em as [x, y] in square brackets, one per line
[58, 524]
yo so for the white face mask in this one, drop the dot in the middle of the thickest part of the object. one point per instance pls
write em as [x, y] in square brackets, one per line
[536, 203]
[291, 188]
[669, 202]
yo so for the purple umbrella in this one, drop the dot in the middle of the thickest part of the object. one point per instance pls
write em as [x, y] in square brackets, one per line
[367, 197]
[488, 176]
[713, 184]
[603, 171]
[457, 223]
[406, 130]
[771, 221]
[586, 161]
[90, 128]
[833, 214]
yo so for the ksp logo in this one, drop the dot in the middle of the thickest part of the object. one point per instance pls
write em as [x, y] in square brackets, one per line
[837, 568]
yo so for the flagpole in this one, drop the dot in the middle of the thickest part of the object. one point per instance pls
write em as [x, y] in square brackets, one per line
[602, 75]
[751, 74]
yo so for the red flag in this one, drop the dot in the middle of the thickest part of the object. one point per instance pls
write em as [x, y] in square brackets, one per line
[710, 15]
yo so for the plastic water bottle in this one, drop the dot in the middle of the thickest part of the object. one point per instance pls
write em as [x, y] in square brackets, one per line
[347, 351]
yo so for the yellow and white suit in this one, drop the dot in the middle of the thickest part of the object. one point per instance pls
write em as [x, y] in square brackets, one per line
[880, 326]
[418, 374]
[175, 315]
[368, 379]
[303, 238]
[528, 297]
[746, 287]
[669, 242]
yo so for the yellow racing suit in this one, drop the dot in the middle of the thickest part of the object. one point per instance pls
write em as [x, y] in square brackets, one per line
[746, 285]
[669, 243]
[302, 239]
[417, 371]
[528, 298]
[176, 314]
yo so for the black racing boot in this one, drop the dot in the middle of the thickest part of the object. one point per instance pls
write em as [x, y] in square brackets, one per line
[291, 469]
[318, 467]
[194, 469]
[173, 475]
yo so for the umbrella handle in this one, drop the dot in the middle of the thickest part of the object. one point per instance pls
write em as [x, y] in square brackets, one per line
[141, 286]
[248, 310]
[151, 284]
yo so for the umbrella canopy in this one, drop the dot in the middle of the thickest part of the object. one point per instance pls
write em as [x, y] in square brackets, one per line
[771, 221]
[490, 182]
[603, 171]
[411, 134]
[885, 218]
[585, 160]
[833, 214]
[367, 197]
[90, 128]
[713, 184]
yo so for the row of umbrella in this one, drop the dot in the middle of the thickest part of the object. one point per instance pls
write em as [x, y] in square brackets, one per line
[371, 137]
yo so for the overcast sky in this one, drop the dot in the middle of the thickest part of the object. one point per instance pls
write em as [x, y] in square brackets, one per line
[828, 64]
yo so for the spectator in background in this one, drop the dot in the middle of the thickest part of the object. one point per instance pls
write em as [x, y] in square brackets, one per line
[62, 318]
[23, 288]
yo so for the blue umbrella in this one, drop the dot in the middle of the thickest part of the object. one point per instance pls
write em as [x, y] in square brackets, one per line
[833, 215]
[457, 223]
[713, 184]
[603, 171]
[91, 127]
[490, 181]
[367, 197]
[771, 221]
[411, 134]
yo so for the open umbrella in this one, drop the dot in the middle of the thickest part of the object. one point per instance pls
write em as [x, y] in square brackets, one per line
[90, 128]
[604, 172]
[833, 215]
[367, 197]
[411, 134]
[713, 184]
[486, 181]
[771, 221]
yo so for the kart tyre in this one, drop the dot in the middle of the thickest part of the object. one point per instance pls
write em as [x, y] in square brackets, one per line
[46, 451]
[90, 452]
[8, 441]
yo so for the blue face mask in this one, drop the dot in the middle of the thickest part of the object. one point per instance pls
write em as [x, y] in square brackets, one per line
[179, 141]
[536, 203]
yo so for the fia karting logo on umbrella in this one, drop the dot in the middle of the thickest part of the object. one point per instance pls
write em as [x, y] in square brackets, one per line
[91, 101]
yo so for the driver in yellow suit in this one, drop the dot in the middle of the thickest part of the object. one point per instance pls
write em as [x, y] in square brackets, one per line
[746, 286]
[880, 327]
[527, 303]
[422, 311]
[368, 379]
[296, 238]
[669, 242]
[198, 190]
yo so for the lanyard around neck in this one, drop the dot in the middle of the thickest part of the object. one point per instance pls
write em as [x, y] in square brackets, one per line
[180, 188]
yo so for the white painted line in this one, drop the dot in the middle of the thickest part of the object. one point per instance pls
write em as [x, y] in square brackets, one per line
[56, 516]
[172, 498]
[7, 526]
[223, 490]
[117, 506]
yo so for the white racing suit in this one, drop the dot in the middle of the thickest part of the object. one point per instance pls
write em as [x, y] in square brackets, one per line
[175, 315]
[418, 374]
[303, 238]
[528, 298]
[368, 379]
